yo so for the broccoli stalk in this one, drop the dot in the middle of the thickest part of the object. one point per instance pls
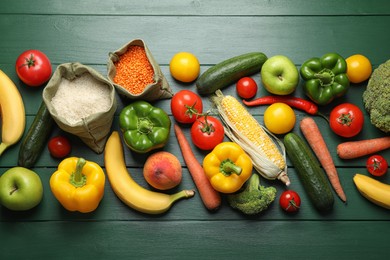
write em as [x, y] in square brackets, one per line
[254, 198]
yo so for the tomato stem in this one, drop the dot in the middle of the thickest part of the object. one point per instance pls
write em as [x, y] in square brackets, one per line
[206, 126]
[30, 62]
[345, 119]
[292, 203]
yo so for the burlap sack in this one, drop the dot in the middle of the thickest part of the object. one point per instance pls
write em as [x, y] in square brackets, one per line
[94, 129]
[159, 89]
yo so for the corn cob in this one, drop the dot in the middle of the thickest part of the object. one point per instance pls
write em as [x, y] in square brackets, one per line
[242, 128]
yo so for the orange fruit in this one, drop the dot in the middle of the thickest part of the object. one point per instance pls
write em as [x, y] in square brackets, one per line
[184, 67]
[359, 68]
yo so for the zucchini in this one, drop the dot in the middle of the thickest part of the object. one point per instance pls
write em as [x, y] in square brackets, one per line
[229, 71]
[309, 171]
[36, 137]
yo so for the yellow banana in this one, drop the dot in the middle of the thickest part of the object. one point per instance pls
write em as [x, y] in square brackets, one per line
[12, 113]
[373, 190]
[130, 192]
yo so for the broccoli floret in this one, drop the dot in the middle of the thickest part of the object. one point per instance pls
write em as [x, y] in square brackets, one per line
[376, 97]
[254, 198]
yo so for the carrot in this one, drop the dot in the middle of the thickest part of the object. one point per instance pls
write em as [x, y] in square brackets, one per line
[313, 136]
[355, 149]
[210, 197]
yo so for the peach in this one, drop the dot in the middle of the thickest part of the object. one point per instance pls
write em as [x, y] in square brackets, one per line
[162, 170]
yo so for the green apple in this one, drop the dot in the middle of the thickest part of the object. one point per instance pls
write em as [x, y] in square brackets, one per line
[20, 189]
[279, 75]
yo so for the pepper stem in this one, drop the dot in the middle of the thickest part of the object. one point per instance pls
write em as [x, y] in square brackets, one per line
[228, 167]
[326, 76]
[145, 125]
[77, 178]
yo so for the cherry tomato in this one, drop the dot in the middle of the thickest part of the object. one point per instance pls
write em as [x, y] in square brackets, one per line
[184, 67]
[246, 87]
[185, 106]
[59, 147]
[207, 132]
[290, 201]
[359, 68]
[279, 118]
[33, 68]
[346, 120]
[377, 165]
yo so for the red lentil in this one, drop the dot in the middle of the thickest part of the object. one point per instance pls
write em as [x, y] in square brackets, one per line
[133, 70]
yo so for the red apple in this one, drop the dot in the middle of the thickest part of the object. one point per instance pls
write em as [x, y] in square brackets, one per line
[162, 170]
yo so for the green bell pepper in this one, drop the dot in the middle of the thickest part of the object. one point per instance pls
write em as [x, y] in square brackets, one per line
[325, 78]
[144, 126]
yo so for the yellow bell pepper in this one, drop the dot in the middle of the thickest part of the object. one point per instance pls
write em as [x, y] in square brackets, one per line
[78, 184]
[227, 167]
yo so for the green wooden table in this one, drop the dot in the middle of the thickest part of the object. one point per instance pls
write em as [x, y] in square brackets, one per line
[86, 31]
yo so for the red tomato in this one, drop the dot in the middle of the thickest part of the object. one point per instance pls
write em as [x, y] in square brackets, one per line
[290, 201]
[33, 68]
[246, 87]
[377, 165]
[59, 147]
[346, 120]
[185, 106]
[207, 132]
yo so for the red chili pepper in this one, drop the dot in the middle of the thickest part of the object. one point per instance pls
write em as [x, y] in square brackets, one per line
[295, 102]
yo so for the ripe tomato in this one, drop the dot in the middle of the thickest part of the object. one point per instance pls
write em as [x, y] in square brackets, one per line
[59, 147]
[207, 132]
[346, 120]
[185, 106]
[359, 68]
[246, 87]
[290, 201]
[33, 68]
[184, 67]
[279, 118]
[377, 165]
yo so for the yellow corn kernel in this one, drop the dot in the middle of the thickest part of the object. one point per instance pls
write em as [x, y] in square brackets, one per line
[249, 127]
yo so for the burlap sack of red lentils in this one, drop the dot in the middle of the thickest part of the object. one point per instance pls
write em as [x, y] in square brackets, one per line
[157, 89]
[94, 128]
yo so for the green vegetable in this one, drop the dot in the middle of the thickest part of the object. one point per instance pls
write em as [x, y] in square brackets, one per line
[325, 77]
[254, 199]
[311, 174]
[36, 137]
[144, 126]
[376, 97]
[229, 71]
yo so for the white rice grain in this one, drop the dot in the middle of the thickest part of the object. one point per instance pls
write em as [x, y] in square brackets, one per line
[80, 98]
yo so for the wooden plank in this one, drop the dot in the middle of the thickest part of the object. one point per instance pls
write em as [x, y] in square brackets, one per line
[81, 38]
[111, 208]
[194, 240]
[33, 96]
[197, 8]
[86, 32]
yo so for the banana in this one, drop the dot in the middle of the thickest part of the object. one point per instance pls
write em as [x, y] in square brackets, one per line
[373, 190]
[130, 192]
[12, 113]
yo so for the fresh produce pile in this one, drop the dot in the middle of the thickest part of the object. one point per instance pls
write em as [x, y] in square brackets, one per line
[240, 150]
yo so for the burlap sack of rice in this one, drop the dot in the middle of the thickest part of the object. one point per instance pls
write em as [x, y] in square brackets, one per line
[132, 74]
[82, 102]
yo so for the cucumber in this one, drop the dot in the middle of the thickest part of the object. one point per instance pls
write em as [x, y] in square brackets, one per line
[309, 171]
[229, 71]
[36, 137]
